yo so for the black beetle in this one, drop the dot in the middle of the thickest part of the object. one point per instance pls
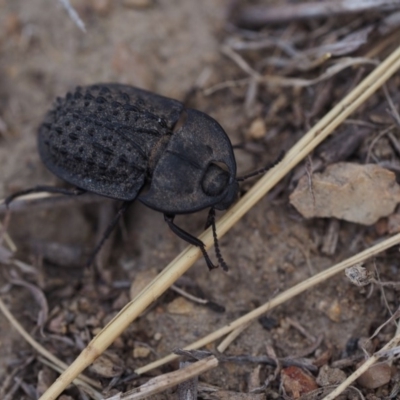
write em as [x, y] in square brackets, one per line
[114, 140]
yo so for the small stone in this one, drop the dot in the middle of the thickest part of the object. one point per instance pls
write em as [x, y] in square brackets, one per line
[180, 306]
[332, 309]
[257, 129]
[157, 336]
[376, 376]
[141, 352]
[330, 376]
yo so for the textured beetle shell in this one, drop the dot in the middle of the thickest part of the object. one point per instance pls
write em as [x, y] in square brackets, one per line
[100, 137]
[111, 139]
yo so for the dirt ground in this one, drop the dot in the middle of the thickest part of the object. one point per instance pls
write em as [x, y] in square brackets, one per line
[170, 47]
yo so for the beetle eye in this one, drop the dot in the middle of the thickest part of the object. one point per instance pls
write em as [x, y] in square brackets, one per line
[215, 179]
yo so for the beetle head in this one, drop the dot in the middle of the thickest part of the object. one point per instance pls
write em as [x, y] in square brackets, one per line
[196, 170]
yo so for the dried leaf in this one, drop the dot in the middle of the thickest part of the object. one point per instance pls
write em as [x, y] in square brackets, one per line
[297, 382]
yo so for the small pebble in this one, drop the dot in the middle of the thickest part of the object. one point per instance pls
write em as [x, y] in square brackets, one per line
[257, 129]
[141, 352]
[330, 376]
[375, 376]
[331, 309]
[180, 306]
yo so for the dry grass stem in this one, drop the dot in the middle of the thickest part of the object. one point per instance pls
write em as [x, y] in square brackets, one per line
[184, 260]
[7, 238]
[231, 337]
[163, 382]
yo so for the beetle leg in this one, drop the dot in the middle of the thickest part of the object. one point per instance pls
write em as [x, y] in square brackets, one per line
[211, 222]
[48, 189]
[107, 232]
[187, 237]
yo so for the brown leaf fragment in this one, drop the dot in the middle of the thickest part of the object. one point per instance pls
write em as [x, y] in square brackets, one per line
[352, 192]
[376, 376]
[297, 382]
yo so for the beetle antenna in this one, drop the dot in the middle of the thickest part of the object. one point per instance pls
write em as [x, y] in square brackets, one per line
[211, 221]
[262, 170]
